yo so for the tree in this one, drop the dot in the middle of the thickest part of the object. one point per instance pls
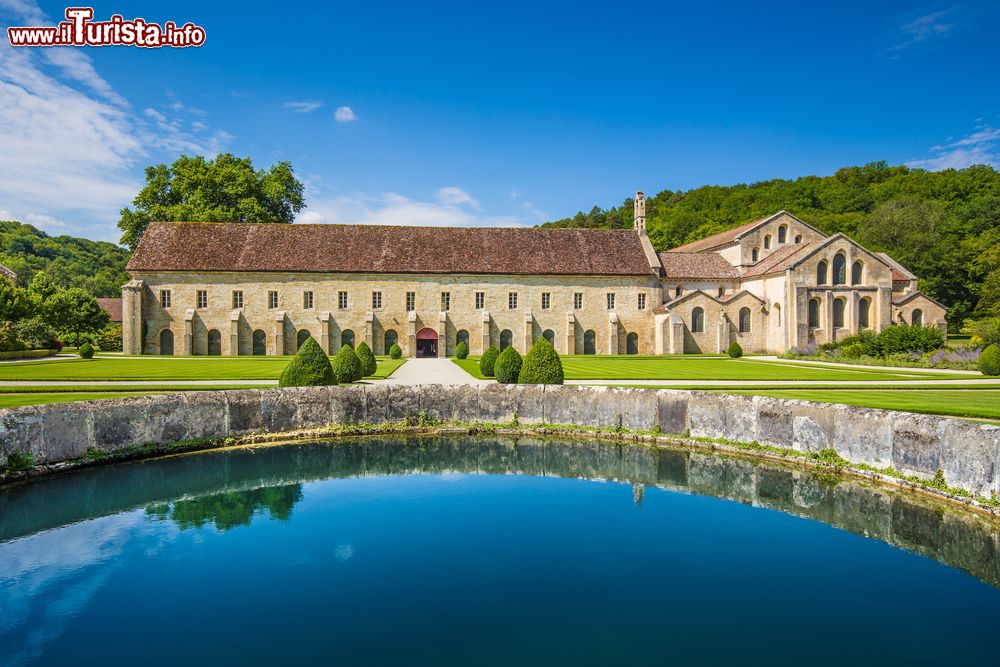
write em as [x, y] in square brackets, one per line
[367, 359]
[15, 303]
[488, 361]
[347, 366]
[309, 367]
[461, 350]
[74, 311]
[508, 366]
[223, 189]
[541, 365]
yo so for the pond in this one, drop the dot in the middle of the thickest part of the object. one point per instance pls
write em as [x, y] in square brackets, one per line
[486, 551]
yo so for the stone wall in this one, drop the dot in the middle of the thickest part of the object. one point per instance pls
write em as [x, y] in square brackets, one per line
[921, 445]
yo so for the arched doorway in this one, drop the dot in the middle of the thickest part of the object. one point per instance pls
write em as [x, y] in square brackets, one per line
[427, 343]
[259, 343]
[214, 343]
[632, 343]
[167, 342]
[301, 338]
[347, 338]
[391, 338]
[506, 338]
[589, 342]
[462, 337]
[917, 318]
[550, 336]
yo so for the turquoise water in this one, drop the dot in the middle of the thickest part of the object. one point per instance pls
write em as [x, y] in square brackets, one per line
[431, 552]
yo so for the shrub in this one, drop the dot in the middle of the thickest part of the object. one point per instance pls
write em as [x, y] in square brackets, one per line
[86, 351]
[508, 366]
[395, 352]
[853, 350]
[735, 351]
[461, 350]
[110, 339]
[989, 361]
[908, 338]
[541, 365]
[488, 361]
[309, 367]
[34, 334]
[367, 359]
[347, 366]
[983, 332]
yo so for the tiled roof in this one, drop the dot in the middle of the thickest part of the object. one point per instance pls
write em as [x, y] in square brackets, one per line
[695, 265]
[777, 261]
[113, 307]
[716, 240]
[7, 273]
[191, 246]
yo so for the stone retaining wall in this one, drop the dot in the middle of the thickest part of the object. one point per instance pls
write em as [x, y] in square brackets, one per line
[966, 452]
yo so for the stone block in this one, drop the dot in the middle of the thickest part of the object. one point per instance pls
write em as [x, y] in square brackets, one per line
[277, 412]
[672, 411]
[496, 403]
[916, 444]
[313, 406]
[969, 454]
[863, 436]
[348, 405]
[775, 422]
[245, 413]
[376, 403]
[722, 416]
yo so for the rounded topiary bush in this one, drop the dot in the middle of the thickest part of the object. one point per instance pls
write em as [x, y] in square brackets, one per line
[541, 365]
[989, 361]
[461, 350]
[735, 351]
[310, 367]
[86, 351]
[395, 352]
[508, 366]
[367, 359]
[488, 361]
[347, 366]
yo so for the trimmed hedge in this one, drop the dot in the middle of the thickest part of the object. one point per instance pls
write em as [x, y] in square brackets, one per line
[347, 366]
[461, 350]
[86, 351]
[27, 354]
[508, 366]
[989, 361]
[541, 365]
[309, 367]
[735, 351]
[367, 359]
[489, 360]
[395, 352]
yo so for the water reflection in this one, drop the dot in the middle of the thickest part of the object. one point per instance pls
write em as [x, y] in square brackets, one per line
[228, 510]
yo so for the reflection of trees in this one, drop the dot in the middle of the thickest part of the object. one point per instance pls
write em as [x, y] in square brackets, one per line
[230, 509]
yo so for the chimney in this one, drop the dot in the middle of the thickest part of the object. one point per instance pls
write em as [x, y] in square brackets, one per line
[640, 213]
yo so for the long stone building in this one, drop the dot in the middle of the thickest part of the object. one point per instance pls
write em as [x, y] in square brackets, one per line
[771, 285]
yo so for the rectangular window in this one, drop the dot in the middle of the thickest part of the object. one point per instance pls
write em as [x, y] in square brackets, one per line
[202, 301]
[546, 300]
[164, 298]
[342, 300]
[642, 302]
[272, 299]
[237, 298]
[411, 301]
[611, 300]
[445, 300]
[376, 300]
[307, 299]
[512, 300]
[480, 300]
[578, 300]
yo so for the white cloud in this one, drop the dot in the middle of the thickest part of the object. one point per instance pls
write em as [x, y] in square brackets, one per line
[924, 28]
[302, 107]
[345, 115]
[456, 197]
[979, 147]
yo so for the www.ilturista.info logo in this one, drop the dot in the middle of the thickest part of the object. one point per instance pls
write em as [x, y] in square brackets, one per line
[79, 29]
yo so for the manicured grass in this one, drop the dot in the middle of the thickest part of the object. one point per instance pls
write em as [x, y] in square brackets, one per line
[687, 367]
[981, 403]
[12, 400]
[163, 368]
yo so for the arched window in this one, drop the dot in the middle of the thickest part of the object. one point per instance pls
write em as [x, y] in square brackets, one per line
[838, 313]
[697, 320]
[506, 338]
[814, 313]
[347, 338]
[839, 269]
[767, 241]
[214, 343]
[632, 343]
[917, 318]
[744, 320]
[391, 338]
[821, 273]
[777, 315]
[550, 336]
[754, 254]
[589, 342]
[798, 238]
[462, 337]
[259, 343]
[678, 290]
[166, 342]
[864, 306]
[301, 337]
[857, 272]
[782, 234]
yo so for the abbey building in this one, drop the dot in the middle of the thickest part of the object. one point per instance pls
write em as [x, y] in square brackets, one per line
[262, 289]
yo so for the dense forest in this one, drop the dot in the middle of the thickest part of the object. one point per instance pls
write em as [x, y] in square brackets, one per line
[95, 266]
[944, 225]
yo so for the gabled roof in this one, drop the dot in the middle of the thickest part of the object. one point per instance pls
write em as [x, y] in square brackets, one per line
[913, 295]
[813, 248]
[778, 261]
[899, 272]
[666, 306]
[322, 248]
[696, 266]
[733, 235]
[113, 307]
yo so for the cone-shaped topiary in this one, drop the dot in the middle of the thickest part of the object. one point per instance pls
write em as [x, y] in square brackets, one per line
[508, 366]
[367, 359]
[541, 365]
[86, 351]
[309, 367]
[395, 351]
[346, 365]
[989, 361]
[735, 351]
[461, 350]
[488, 360]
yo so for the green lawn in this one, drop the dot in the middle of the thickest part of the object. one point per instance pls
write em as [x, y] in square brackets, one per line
[689, 367]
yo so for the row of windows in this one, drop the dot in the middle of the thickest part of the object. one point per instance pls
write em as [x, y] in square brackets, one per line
[839, 272]
[308, 300]
[839, 309]
[698, 320]
[782, 238]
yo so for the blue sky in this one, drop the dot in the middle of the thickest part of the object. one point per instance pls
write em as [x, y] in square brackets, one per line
[494, 113]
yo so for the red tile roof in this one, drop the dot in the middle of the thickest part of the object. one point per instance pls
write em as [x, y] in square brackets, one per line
[192, 246]
[779, 260]
[696, 265]
[113, 307]
[716, 240]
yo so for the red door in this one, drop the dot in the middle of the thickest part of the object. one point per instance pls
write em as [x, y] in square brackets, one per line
[427, 343]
